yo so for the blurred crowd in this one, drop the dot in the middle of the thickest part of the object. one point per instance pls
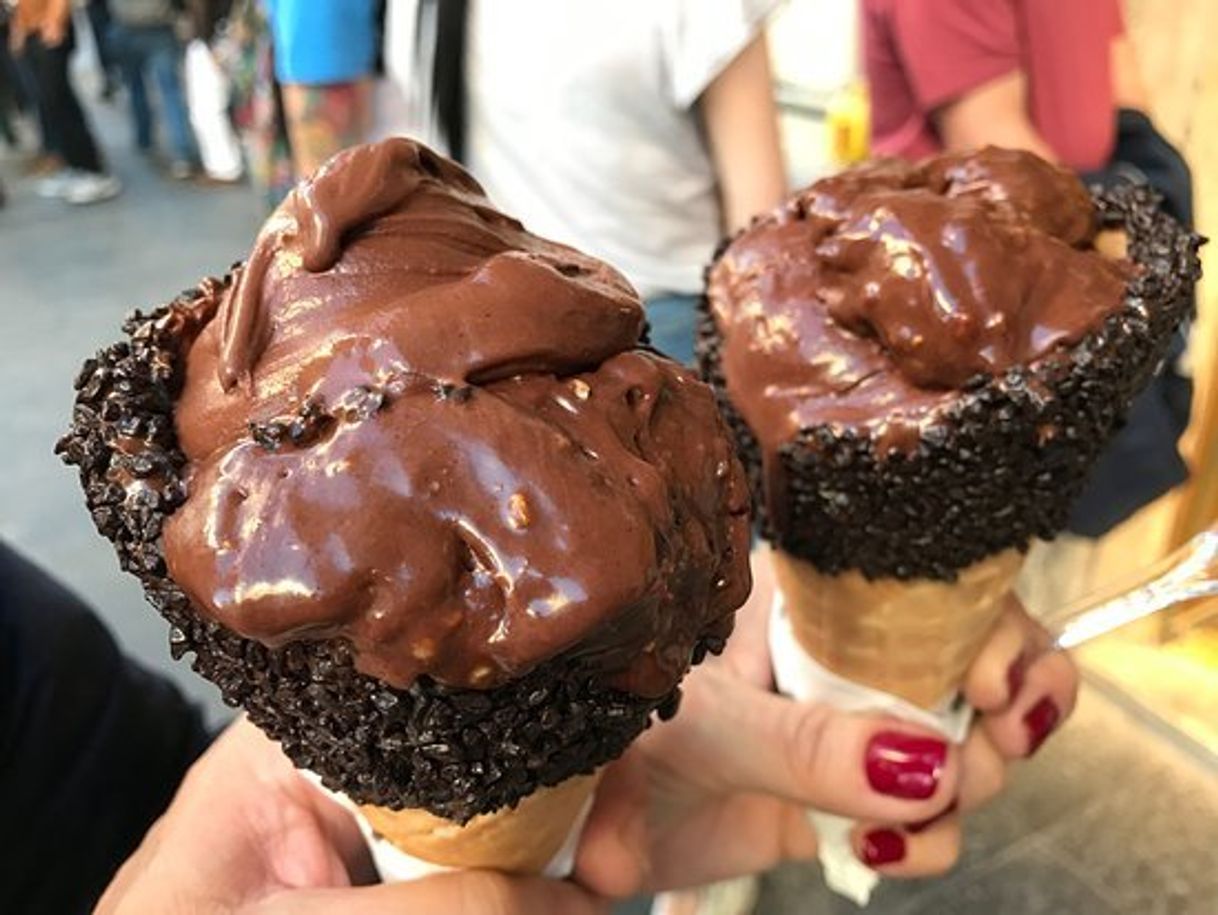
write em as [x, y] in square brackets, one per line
[146, 47]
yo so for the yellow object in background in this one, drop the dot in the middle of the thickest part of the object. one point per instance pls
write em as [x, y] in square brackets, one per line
[848, 123]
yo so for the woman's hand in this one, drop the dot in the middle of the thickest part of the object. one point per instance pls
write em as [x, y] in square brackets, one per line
[247, 833]
[723, 790]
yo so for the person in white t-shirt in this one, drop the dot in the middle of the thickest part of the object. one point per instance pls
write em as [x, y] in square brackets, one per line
[640, 131]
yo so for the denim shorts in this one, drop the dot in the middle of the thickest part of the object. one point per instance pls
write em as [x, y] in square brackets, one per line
[672, 319]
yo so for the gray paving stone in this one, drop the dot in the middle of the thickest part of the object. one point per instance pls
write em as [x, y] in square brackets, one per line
[1030, 882]
[1150, 846]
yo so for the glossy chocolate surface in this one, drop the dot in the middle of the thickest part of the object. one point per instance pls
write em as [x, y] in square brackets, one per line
[871, 299]
[414, 426]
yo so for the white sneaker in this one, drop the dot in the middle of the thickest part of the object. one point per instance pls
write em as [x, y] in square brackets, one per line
[89, 187]
[55, 186]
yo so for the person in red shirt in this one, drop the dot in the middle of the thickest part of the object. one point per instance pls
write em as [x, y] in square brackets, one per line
[1043, 75]
[1059, 78]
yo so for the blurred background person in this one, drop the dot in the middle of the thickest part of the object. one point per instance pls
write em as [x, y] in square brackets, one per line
[301, 78]
[13, 102]
[21, 93]
[1059, 79]
[1030, 74]
[13, 99]
[640, 132]
[98, 12]
[143, 40]
[324, 54]
[242, 49]
[41, 32]
[209, 93]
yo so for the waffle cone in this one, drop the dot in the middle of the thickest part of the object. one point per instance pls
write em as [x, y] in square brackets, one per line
[521, 840]
[914, 639]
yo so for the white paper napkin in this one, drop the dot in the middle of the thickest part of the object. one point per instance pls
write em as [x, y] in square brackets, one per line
[800, 677]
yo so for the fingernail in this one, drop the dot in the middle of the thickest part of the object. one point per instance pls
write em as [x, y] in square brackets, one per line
[1015, 676]
[1040, 721]
[882, 846]
[918, 827]
[905, 766]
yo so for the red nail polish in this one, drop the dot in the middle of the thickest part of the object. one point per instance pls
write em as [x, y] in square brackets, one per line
[922, 825]
[882, 846]
[1040, 721]
[1015, 676]
[903, 765]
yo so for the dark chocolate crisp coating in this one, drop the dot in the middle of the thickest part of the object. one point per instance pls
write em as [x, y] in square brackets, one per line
[379, 745]
[1001, 464]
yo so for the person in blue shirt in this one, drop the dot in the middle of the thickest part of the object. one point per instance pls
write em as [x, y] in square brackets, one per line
[325, 53]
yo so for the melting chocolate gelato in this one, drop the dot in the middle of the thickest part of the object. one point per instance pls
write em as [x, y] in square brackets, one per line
[871, 299]
[921, 363]
[413, 426]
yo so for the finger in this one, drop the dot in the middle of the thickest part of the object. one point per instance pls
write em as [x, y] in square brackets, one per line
[996, 676]
[734, 836]
[983, 771]
[624, 852]
[1046, 700]
[899, 853]
[268, 826]
[338, 824]
[464, 893]
[748, 650]
[263, 760]
[613, 858]
[721, 838]
[132, 869]
[863, 766]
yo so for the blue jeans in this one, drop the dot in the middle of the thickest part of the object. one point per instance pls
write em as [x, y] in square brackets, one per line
[672, 319]
[154, 51]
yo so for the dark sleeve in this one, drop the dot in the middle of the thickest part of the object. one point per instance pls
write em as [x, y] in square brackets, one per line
[92, 746]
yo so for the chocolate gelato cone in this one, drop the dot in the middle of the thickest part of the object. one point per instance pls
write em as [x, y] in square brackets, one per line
[912, 638]
[412, 493]
[921, 363]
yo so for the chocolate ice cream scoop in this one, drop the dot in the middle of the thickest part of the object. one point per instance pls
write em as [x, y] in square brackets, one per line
[922, 361]
[873, 297]
[415, 494]
[489, 471]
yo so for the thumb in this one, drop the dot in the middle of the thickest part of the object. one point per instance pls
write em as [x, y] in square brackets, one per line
[614, 856]
[864, 766]
[459, 893]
